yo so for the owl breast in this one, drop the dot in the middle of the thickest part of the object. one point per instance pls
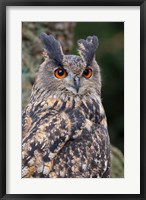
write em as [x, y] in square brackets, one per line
[86, 153]
[71, 140]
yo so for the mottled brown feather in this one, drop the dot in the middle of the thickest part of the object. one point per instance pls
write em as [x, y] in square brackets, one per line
[64, 132]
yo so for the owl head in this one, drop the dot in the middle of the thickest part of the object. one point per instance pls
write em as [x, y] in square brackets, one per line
[70, 75]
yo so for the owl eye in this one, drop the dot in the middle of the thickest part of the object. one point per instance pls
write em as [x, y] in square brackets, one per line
[87, 73]
[60, 73]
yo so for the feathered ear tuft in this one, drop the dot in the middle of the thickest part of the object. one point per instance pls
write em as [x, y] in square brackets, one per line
[87, 48]
[53, 47]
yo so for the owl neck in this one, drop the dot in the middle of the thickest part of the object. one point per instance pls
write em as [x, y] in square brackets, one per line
[42, 94]
[72, 97]
[90, 105]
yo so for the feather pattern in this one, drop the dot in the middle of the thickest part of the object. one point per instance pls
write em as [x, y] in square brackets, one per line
[87, 48]
[65, 132]
[53, 47]
[60, 140]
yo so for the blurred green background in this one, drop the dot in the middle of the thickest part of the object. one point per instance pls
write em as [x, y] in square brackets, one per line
[109, 55]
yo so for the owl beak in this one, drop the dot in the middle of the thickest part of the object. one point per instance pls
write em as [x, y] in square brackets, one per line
[76, 83]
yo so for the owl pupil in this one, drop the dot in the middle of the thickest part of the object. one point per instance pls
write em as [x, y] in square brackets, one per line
[60, 72]
[86, 72]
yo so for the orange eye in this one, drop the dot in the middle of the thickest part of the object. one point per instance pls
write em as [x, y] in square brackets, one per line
[87, 73]
[60, 73]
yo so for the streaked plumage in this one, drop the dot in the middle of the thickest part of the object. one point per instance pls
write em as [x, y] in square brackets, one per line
[64, 124]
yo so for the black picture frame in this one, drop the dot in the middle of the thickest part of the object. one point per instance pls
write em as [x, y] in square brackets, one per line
[3, 117]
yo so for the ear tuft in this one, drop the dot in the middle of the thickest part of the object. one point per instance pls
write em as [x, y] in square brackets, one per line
[87, 48]
[53, 47]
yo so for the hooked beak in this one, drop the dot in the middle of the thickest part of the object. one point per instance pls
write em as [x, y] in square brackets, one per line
[76, 83]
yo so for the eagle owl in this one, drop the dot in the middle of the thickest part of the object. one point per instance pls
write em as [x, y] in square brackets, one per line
[64, 125]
